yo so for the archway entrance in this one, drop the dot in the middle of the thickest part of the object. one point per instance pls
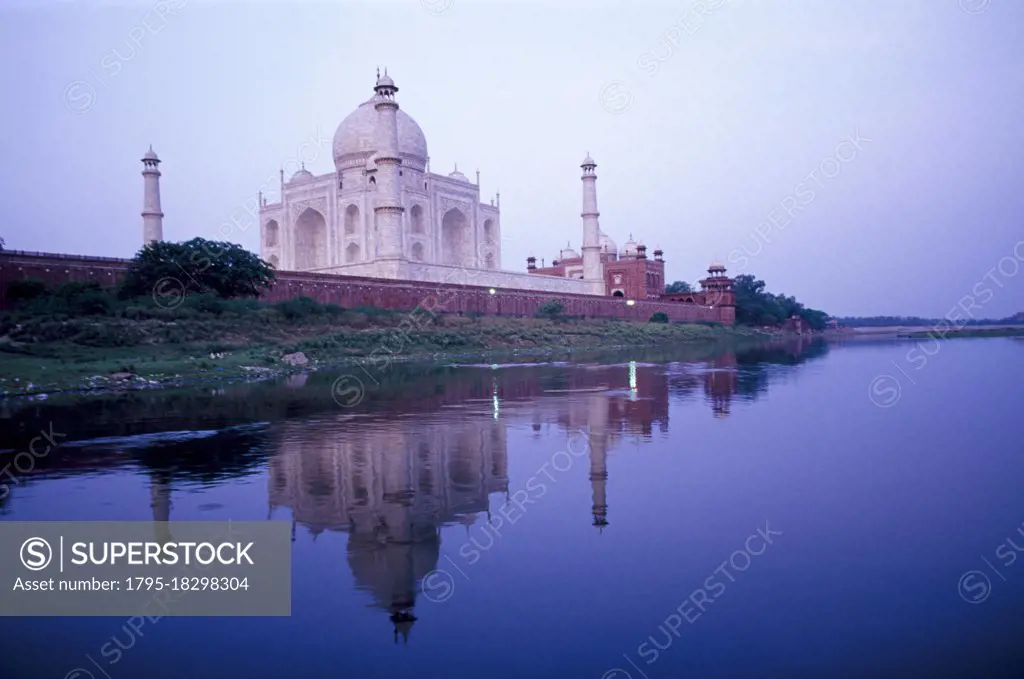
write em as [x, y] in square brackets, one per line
[310, 240]
[454, 237]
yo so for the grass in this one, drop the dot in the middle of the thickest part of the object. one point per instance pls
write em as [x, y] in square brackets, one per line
[966, 331]
[44, 348]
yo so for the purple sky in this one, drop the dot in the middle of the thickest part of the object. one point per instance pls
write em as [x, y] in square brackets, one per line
[706, 128]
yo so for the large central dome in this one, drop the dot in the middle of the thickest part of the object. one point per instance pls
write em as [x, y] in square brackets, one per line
[355, 138]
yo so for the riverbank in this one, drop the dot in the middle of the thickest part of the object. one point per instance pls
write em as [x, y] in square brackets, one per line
[45, 355]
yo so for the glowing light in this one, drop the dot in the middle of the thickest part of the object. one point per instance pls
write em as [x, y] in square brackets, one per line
[630, 302]
[494, 397]
[492, 291]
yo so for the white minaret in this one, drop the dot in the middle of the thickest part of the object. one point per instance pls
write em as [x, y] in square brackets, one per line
[388, 209]
[152, 215]
[593, 271]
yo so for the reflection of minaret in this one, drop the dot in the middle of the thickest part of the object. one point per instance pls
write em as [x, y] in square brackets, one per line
[720, 383]
[598, 455]
[160, 504]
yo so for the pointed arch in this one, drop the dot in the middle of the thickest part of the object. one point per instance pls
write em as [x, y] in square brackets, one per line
[417, 252]
[352, 253]
[416, 219]
[274, 261]
[351, 220]
[454, 237]
[270, 234]
[310, 240]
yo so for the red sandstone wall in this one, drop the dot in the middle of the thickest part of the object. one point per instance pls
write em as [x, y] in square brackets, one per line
[353, 291]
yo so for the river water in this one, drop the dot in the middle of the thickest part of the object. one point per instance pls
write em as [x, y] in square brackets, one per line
[800, 510]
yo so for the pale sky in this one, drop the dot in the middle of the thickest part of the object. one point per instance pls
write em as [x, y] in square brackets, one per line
[705, 127]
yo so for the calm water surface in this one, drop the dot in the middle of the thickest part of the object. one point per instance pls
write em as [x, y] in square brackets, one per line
[797, 511]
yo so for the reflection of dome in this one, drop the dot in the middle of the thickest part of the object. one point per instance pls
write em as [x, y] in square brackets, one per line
[355, 137]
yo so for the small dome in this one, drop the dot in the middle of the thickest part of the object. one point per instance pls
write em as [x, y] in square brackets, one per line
[607, 244]
[568, 253]
[458, 175]
[629, 249]
[716, 266]
[588, 161]
[150, 154]
[385, 81]
[302, 175]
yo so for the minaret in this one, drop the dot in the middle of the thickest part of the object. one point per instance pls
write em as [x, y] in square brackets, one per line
[388, 210]
[152, 215]
[593, 271]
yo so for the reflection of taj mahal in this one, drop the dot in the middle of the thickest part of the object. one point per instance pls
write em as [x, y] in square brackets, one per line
[392, 484]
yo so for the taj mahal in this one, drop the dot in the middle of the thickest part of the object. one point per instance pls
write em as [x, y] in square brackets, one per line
[383, 214]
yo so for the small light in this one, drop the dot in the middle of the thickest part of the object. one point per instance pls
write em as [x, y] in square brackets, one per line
[630, 302]
[492, 291]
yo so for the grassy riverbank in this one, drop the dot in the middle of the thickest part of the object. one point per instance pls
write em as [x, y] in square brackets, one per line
[966, 331]
[147, 346]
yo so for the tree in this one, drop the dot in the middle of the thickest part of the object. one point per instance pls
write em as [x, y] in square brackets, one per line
[197, 266]
[754, 306]
[659, 317]
[678, 286]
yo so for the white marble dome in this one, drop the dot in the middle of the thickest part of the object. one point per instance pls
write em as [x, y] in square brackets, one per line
[608, 245]
[302, 175]
[629, 249]
[356, 136]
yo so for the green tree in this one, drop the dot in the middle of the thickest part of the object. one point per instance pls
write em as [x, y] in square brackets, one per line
[754, 306]
[659, 317]
[678, 286]
[551, 309]
[197, 266]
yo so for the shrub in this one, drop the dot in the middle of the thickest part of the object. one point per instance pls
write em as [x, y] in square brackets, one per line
[77, 298]
[26, 291]
[551, 309]
[206, 303]
[299, 308]
[659, 317]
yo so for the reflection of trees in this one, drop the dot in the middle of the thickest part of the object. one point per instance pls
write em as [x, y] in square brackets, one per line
[757, 366]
